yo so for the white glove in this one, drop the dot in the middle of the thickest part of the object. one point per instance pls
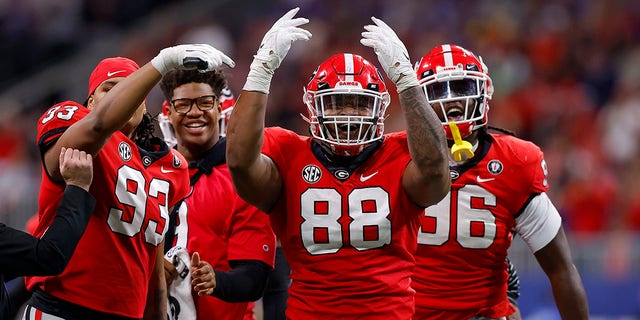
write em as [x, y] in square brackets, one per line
[391, 52]
[274, 47]
[202, 57]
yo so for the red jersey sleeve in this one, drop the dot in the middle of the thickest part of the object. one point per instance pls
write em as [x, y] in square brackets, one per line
[274, 140]
[538, 169]
[532, 164]
[55, 121]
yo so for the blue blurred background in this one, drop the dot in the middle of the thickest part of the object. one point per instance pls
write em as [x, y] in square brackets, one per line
[566, 72]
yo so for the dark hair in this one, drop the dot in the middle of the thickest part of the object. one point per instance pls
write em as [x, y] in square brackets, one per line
[176, 78]
[501, 130]
[144, 132]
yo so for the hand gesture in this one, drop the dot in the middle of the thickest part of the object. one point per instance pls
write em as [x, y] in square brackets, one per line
[274, 47]
[391, 52]
[202, 57]
[203, 279]
[277, 41]
[76, 167]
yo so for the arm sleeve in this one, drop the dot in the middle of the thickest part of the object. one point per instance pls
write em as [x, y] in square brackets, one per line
[539, 222]
[245, 282]
[23, 254]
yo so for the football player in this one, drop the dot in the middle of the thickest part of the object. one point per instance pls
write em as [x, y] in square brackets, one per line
[346, 202]
[498, 184]
[116, 268]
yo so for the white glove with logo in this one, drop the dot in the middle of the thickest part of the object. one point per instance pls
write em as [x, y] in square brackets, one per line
[202, 57]
[391, 52]
[274, 47]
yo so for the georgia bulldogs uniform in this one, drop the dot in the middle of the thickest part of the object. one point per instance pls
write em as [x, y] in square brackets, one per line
[463, 240]
[348, 233]
[111, 267]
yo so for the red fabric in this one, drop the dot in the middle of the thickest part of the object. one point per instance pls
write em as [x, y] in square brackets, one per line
[32, 224]
[108, 68]
[331, 238]
[222, 227]
[494, 312]
[249, 314]
[117, 251]
[460, 260]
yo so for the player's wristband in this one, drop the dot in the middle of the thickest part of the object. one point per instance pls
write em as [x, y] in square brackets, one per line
[259, 78]
[407, 81]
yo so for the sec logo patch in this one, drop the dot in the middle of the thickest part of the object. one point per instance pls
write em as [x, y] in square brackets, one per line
[311, 173]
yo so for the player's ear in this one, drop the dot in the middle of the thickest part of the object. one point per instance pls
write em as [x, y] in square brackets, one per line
[90, 102]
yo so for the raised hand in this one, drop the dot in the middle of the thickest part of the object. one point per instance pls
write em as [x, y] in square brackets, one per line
[203, 278]
[274, 47]
[202, 57]
[76, 167]
[277, 41]
[391, 52]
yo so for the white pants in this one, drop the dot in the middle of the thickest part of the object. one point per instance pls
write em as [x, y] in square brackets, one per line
[31, 313]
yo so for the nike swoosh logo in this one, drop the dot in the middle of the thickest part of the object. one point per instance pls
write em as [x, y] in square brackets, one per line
[111, 74]
[364, 178]
[163, 170]
[480, 180]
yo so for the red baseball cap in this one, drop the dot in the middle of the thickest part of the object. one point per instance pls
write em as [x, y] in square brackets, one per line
[110, 68]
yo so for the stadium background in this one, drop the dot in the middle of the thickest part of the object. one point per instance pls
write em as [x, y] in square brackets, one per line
[566, 72]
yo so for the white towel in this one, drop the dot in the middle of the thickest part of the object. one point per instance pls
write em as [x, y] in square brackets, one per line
[180, 303]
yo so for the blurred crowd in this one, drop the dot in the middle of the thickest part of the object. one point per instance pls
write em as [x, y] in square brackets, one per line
[566, 76]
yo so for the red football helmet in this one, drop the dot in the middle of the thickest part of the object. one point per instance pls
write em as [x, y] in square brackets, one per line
[346, 98]
[450, 73]
[227, 102]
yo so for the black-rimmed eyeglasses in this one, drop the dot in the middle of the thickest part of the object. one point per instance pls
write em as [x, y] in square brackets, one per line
[204, 103]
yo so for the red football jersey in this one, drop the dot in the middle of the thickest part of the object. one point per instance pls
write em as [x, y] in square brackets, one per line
[112, 264]
[349, 236]
[463, 240]
[222, 227]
